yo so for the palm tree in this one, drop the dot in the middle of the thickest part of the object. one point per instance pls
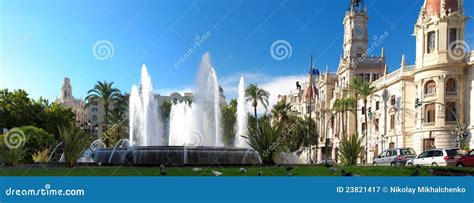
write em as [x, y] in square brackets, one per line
[118, 116]
[105, 94]
[342, 106]
[364, 90]
[281, 113]
[255, 94]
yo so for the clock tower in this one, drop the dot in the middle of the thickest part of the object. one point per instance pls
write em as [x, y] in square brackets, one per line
[355, 30]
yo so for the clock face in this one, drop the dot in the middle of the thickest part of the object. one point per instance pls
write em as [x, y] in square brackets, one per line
[359, 31]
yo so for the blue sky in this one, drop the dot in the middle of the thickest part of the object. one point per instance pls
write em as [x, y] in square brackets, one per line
[41, 43]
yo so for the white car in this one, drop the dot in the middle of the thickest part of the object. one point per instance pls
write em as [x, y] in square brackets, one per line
[436, 157]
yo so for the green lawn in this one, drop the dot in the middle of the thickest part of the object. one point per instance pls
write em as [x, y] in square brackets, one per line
[227, 171]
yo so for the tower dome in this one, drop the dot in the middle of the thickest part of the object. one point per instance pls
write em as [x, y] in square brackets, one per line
[434, 7]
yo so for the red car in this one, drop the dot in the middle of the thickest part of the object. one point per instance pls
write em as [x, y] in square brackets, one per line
[466, 160]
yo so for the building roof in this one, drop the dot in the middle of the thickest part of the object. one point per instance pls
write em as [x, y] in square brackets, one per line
[433, 7]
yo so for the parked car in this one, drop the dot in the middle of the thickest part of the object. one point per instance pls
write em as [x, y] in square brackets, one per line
[398, 156]
[466, 160]
[436, 157]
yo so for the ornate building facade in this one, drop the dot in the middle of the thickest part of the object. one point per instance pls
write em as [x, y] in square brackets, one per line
[422, 106]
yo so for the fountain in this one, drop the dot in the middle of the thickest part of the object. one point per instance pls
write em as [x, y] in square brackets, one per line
[241, 125]
[198, 123]
[144, 121]
[195, 136]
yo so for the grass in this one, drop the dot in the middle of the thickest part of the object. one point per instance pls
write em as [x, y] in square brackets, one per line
[227, 171]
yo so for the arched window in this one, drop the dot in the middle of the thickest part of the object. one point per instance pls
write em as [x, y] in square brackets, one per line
[94, 118]
[430, 87]
[429, 113]
[451, 85]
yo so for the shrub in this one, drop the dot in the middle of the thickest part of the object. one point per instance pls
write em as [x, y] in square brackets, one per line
[36, 139]
[350, 149]
[266, 140]
[41, 156]
[75, 141]
[9, 156]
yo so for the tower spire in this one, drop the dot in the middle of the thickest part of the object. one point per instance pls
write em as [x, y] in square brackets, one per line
[357, 6]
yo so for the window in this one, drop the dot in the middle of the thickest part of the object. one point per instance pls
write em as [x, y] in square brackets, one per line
[392, 121]
[392, 100]
[367, 77]
[375, 76]
[407, 151]
[451, 85]
[377, 105]
[423, 155]
[376, 124]
[428, 143]
[453, 36]
[431, 42]
[332, 122]
[364, 127]
[429, 113]
[94, 118]
[391, 145]
[94, 109]
[430, 87]
[449, 114]
[437, 153]
[363, 110]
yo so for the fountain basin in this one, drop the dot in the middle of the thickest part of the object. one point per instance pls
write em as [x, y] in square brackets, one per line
[176, 156]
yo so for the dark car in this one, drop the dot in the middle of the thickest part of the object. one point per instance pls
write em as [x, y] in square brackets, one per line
[466, 160]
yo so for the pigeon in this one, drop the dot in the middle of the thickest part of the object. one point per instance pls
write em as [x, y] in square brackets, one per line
[289, 173]
[243, 170]
[216, 173]
[259, 173]
[344, 173]
[162, 170]
[196, 169]
[288, 168]
[332, 169]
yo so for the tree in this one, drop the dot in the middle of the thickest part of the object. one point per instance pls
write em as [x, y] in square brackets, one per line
[229, 119]
[255, 94]
[17, 109]
[281, 113]
[300, 132]
[105, 94]
[364, 90]
[118, 120]
[342, 106]
[166, 110]
[350, 149]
